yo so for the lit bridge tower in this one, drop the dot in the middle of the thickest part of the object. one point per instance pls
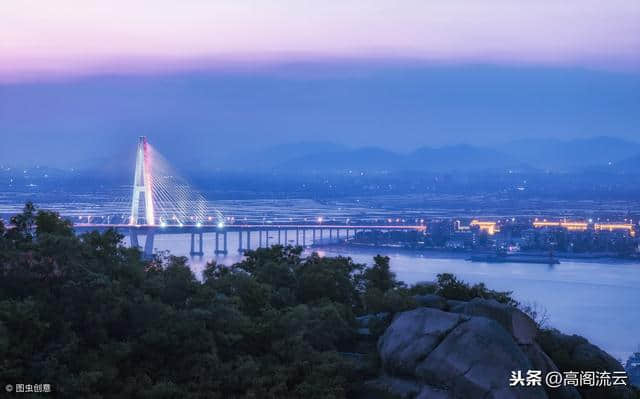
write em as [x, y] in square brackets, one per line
[142, 185]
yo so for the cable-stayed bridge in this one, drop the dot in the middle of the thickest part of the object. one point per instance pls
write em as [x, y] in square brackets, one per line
[164, 203]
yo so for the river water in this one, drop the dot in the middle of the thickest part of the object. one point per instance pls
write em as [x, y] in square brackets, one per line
[599, 300]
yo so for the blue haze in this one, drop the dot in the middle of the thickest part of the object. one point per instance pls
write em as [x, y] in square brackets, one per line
[204, 119]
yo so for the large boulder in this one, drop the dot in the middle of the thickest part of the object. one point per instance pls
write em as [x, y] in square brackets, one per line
[413, 334]
[540, 361]
[471, 351]
[453, 356]
[521, 326]
[476, 360]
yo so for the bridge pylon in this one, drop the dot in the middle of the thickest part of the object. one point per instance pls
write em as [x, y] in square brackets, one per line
[142, 185]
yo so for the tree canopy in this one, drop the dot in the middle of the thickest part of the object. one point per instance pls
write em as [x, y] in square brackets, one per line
[96, 320]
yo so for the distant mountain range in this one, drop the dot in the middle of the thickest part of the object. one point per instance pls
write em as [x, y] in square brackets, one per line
[445, 159]
[544, 155]
[572, 155]
[596, 155]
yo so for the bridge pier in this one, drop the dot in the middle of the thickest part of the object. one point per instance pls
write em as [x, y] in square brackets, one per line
[286, 239]
[248, 240]
[240, 241]
[193, 250]
[133, 238]
[279, 240]
[297, 237]
[266, 238]
[224, 238]
[148, 245]
[313, 236]
[259, 238]
[304, 237]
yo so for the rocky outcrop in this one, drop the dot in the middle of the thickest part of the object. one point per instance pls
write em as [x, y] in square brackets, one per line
[431, 301]
[412, 335]
[452, 355]
[515, 321]
[469, 349]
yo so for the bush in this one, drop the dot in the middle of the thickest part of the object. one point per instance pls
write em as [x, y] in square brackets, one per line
[449, 287]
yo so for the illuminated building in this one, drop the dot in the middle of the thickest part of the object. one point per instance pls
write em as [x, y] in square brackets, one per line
[572, 226]
[615, 226]
[490, 227]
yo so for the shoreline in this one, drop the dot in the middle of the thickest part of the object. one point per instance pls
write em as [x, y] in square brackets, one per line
[465, 254]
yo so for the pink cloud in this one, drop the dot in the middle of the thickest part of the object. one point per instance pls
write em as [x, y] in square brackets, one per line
[69, 37]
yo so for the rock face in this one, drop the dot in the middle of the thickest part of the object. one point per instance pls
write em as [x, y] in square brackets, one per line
[452, 355]
[412, 335]
[461, 350]
[520, 325]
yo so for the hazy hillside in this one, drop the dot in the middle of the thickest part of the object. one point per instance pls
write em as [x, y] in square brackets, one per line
[444, 159]
[571, 155]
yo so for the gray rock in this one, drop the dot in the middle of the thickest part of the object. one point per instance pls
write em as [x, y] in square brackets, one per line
[475, 360]
[540, 361]
[432, 301]
[412, 335]
[521, 326]
[452, 303]
[452, 356]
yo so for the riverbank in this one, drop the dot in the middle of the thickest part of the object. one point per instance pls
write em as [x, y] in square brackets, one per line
[465, 253]
[595, 298]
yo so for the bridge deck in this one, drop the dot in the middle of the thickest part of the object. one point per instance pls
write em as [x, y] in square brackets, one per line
[188, 228]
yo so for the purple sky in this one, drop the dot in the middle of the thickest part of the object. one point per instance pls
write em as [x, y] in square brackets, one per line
[67, 37]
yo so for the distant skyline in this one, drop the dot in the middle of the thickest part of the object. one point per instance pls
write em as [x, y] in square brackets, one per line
[208, 80]
[63, 38]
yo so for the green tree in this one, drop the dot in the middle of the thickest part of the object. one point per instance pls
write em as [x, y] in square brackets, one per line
[23, 222]
[380, 276]
[51, 223]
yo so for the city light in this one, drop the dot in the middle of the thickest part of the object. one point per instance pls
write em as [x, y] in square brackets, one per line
[220, 225]
[489, 227]
[573, 226]
[615, 226]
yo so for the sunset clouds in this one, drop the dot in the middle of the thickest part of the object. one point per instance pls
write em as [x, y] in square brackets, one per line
[67, 37]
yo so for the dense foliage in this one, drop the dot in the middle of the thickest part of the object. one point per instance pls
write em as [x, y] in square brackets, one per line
[95, 320]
